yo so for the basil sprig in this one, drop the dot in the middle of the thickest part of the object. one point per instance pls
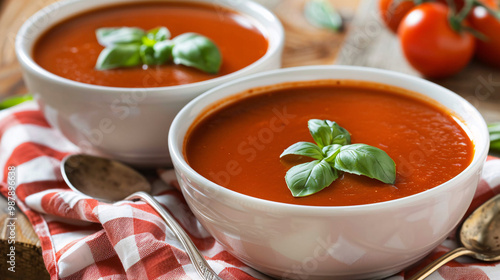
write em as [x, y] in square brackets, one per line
[494, 130]
[197, 51]
[322, 14]
[333, 154]
[14, 100]
[131, 46]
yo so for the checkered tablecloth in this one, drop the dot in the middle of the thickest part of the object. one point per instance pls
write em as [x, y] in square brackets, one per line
[82, 238]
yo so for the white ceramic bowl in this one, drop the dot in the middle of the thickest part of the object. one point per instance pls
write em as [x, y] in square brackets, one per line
[349, 242]
[124, 123]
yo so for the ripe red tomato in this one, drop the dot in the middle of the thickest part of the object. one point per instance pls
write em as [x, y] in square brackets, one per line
[487, 51]
[430, 44]
[393, 12]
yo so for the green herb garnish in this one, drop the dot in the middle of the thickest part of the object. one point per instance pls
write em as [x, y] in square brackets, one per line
[13, 101]
[333, 154]
[494, 130]
[130, 47]
[322, 14]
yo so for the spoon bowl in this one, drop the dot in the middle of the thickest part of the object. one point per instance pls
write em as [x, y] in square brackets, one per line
[479, 236]
[109, 181]
[480, 232]
[101, 178]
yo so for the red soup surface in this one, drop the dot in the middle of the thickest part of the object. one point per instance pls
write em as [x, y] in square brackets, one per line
[238, 145]
[70, 49]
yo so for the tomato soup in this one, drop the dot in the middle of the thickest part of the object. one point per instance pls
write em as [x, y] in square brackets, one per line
[239, 144]
[70, 49]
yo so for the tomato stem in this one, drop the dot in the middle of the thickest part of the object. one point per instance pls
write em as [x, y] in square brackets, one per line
[456, 19]
[465, 11]
[455, 24]
[475, 33]
[453, 7]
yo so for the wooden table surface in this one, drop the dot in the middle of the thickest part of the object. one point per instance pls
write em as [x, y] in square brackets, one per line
[365, 42]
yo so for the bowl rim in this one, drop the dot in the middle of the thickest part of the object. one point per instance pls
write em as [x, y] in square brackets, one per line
[480, 149]
[273, 25]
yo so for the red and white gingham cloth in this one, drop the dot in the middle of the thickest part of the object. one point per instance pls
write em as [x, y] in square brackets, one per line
[82, 238]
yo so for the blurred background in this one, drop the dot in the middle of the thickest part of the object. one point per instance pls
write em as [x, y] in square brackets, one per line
[364, 40]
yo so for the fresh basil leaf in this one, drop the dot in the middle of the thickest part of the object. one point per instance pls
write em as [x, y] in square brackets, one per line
[310, 177]
[130, 46]
[14, 100]
[334, 155]
[155, 35]
[325, 132]
[185, 37]
[119, 56]
[122, 35]
[322, 14]
[147, 55]
[494, 130]
[148, 42]
[194, 50]
[330, 152]
[157, 54]
[495, 146]
[158, 34]
[163, 51]
[362, 159]
[303, 149]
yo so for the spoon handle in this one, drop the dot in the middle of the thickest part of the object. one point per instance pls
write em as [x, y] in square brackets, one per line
[199, 262]
[433, 266]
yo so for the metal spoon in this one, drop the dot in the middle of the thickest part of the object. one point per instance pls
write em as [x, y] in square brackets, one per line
[479, 235]
[108, 180]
